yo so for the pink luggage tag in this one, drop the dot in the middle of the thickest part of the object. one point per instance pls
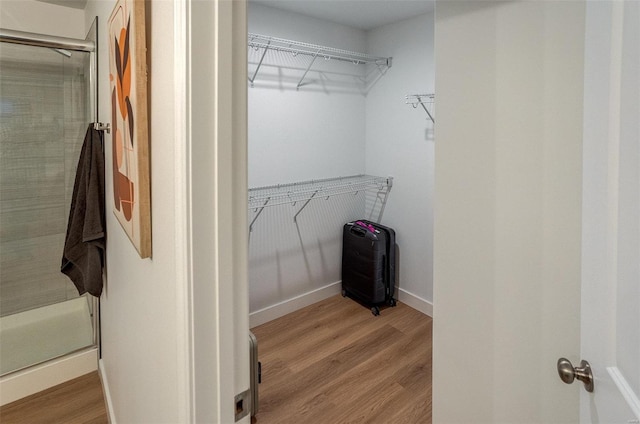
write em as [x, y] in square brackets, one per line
[368, 227]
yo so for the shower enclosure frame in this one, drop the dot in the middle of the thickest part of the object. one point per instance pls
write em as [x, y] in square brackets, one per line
[88, 45]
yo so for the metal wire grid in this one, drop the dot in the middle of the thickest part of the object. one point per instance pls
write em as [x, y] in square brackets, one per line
[284, 51]
[303, 191]
[297, 47]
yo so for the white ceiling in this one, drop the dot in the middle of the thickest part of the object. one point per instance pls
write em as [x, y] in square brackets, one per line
[362, 14]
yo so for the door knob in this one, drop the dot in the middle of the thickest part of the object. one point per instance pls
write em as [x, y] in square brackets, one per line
[568, 373]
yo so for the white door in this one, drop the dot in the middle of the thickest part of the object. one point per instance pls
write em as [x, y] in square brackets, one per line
[610, 334]
[509, 260]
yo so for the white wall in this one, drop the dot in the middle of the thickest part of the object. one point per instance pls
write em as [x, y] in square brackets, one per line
[297, 135]
[323, 131]
[139, 306]
[42, 18]
[400, 143]
[311, 133]
[509, 81]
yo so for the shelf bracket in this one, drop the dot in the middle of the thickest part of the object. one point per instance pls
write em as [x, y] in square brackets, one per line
[417, 99]
[426, 110]
[383, 201]
[259, 63]
[308, 68]
[295, 217]
[258, 214]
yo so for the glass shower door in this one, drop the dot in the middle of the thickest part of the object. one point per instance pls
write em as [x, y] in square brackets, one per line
[44, 114]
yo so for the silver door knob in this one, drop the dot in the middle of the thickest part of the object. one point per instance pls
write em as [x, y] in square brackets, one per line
[568, 373]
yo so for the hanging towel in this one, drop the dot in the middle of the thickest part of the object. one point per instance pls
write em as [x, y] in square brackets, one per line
[84, 246]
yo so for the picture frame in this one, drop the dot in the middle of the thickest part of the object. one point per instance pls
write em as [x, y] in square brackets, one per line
[129, 122]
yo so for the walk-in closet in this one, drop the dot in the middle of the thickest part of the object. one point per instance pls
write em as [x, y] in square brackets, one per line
[341, 116]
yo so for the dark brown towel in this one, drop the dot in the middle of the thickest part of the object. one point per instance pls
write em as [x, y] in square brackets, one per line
[84, 246]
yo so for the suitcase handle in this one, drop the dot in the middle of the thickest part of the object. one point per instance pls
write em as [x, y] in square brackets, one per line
[358, 231]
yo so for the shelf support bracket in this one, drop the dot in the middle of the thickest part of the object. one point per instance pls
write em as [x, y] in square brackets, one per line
[382, 70]
[307, 70]
[426, 110]
[258, 214]
[386, 196]
[259, 63]
[295, 217]
[417, 99]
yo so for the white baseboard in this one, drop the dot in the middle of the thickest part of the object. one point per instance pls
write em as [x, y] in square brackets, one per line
[291, 305]
[107, 392]
[415, 302]
[286, 307]
[41, 377]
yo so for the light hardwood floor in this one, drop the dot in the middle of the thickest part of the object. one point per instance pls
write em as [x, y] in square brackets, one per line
[330, 363]
[79, 401]
[334, 362]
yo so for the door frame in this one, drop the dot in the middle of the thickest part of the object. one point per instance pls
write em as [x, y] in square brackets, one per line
[603, 92]
[211, 204]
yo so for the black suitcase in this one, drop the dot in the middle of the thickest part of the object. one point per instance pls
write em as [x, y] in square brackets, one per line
[368, 263]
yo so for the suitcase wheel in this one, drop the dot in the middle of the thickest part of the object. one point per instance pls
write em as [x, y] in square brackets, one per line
[344, 293]
[392, 302]
[375, 311]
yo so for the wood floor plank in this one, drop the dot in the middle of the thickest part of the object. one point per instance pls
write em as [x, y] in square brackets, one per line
[346, 365]
[374, 410]
[79, 401]
[386, 364]
[298, 390]
[334, 338]
[413, 412]
[280, 332]
[387, 368]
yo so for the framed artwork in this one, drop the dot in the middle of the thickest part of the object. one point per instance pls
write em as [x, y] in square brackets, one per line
[129, 122]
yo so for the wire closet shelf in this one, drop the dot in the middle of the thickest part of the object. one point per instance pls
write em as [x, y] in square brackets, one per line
[303, 192]
[423, 100]
[265, 43]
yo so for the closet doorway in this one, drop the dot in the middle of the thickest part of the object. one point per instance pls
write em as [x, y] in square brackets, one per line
[341, 114]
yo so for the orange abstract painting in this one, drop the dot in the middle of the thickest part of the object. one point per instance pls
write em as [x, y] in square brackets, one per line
[129, 123]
